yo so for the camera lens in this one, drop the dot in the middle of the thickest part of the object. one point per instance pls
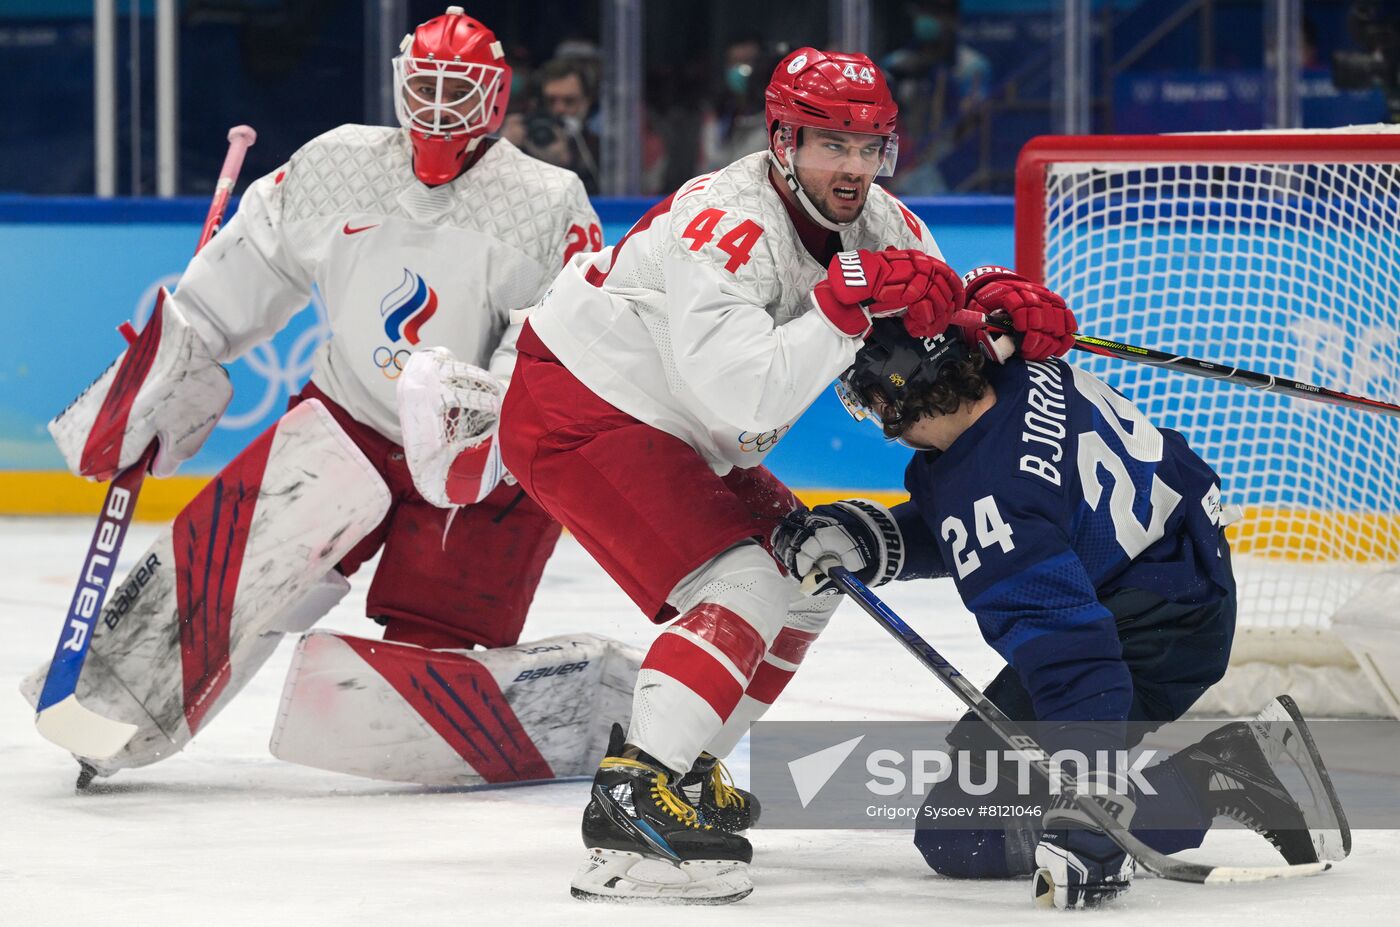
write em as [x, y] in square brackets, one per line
[541, 130]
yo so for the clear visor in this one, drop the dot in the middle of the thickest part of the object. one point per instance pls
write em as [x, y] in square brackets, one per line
[444, 97]
[843, 152]
[854, 405]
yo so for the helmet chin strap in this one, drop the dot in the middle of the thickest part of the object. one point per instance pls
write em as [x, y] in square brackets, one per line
[813, 213]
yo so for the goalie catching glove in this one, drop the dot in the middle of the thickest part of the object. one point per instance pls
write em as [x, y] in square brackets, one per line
[449, 411]
[1044, 325]
[861, 534]
[861, 285]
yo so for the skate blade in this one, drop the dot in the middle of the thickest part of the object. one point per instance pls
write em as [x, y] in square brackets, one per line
[619, 877]
[1281, 728]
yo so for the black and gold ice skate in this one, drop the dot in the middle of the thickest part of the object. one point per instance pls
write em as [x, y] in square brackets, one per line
[647, 843]
[720, 802]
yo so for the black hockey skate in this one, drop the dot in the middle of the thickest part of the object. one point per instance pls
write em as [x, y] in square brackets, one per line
[1232, 769]
[720, 802]
[1281, 731]
[647, 843]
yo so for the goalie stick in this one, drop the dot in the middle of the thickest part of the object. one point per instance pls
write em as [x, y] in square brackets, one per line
[1159, 864]
[1200, 368]
[60, 717]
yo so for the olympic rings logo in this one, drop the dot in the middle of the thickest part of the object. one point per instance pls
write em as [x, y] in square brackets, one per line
[391, 362]
[282, 376]
[761, 442]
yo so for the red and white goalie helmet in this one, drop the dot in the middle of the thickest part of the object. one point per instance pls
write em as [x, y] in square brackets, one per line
[451, 86]
[846, 93]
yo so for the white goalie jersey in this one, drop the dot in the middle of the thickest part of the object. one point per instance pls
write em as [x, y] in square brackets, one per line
[400, 266]
[697, 322]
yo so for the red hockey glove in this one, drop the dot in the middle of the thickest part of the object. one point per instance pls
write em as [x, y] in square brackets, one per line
[864, 284]
[1044, 325]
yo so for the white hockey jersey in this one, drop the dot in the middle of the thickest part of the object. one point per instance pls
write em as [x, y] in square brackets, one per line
[697, 322]
[400, 266]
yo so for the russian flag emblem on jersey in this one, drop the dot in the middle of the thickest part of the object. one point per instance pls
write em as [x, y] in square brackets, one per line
[407, 307]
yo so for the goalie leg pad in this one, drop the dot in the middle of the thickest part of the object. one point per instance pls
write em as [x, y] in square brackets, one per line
[206, 603]
[390, 711]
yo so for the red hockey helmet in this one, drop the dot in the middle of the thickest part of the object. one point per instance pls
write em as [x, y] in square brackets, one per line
[829, 90]
[451, 86]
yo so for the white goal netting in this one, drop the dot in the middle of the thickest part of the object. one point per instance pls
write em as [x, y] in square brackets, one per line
[1236, 249]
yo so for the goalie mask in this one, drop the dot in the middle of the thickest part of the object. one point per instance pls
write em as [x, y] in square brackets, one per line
[893, 366]
[451, 86]
[830, 117]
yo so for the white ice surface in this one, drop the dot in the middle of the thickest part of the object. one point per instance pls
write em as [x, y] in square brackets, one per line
[225, 834]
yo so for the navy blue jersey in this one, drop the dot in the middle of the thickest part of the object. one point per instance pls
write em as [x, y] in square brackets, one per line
[1058, 496]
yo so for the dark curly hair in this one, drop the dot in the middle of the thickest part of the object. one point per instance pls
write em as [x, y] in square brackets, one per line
[958, 382]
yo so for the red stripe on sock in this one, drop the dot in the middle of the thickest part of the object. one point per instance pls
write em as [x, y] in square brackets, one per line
[792, 645]
[210, 538]
[730, 634]
[768, 683]
[695, 669]
[460, 700]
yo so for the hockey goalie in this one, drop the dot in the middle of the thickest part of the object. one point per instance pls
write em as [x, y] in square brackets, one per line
[423, 235]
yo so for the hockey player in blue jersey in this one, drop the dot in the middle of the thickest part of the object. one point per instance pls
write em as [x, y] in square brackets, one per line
[1089, 546]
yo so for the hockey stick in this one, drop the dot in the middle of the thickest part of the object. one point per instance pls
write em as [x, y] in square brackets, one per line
[60, 717]
[1159, 864]
[1200, 368]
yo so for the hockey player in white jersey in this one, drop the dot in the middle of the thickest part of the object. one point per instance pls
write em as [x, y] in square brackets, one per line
[428, 234]
[654, 378]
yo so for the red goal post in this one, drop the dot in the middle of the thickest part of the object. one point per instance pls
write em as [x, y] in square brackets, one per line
[1279, 252]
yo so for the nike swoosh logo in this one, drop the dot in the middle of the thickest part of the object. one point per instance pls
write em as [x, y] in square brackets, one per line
[351, 231]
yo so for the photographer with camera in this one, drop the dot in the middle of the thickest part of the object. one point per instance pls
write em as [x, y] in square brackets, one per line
[553, 128]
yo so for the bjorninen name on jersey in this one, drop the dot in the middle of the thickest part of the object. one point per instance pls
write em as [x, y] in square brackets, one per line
[1044, 432]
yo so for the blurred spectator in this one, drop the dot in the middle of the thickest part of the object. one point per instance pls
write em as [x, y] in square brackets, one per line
[734, 123]
[936, 79]
[548, 121]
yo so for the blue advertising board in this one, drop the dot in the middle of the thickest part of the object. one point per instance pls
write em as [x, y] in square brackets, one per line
[75, 269]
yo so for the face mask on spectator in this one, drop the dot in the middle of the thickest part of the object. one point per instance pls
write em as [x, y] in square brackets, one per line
[927, 28]
[736, 78]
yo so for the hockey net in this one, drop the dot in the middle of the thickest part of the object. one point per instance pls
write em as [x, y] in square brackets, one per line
[1276, 252]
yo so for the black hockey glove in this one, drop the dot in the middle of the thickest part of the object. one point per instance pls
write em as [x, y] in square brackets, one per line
[861, 534]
